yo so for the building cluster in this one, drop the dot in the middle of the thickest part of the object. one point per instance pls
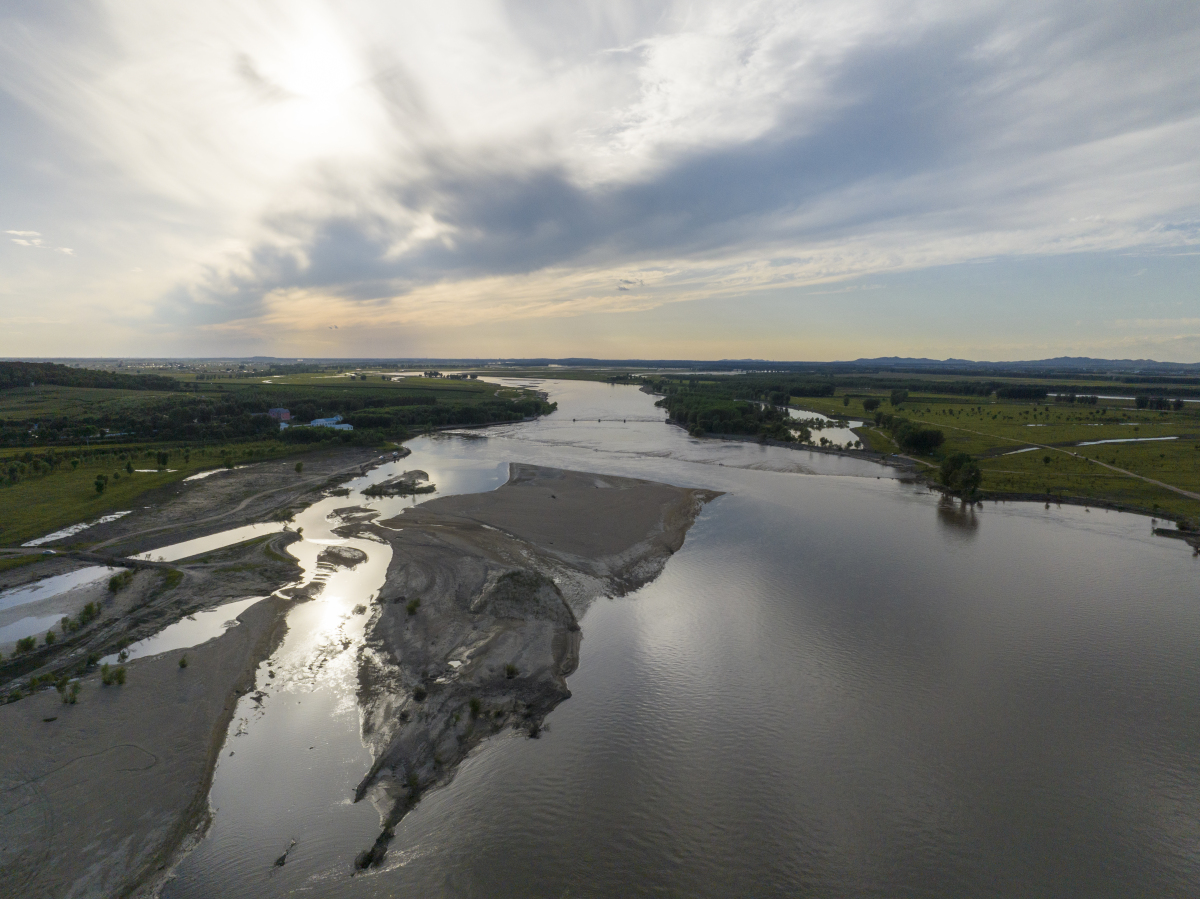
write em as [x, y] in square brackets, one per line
[284, 417]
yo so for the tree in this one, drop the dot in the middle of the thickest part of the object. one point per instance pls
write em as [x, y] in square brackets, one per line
[1142, 401]
[961, 475]
[299, 467]
[898, 397]
[871, 403]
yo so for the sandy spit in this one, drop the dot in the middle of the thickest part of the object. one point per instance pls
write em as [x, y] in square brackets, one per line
[476, 627]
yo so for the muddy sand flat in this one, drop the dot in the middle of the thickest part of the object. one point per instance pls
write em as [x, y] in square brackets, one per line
[96, 801]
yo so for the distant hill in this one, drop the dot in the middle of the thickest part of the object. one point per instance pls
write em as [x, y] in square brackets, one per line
[1058, 363]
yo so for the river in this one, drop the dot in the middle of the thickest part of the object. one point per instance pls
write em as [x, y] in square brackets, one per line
[840, 686]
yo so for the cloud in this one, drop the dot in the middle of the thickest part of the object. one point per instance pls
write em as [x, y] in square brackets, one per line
[33, 239]
[548, 160]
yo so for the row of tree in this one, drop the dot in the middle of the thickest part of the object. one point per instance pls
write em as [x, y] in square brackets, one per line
[30, 374]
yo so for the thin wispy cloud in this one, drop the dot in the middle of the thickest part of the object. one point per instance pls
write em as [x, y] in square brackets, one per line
[477, 161]
[34, 239]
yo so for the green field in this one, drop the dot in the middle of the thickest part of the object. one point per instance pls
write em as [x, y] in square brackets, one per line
[991, 430]
[37, 506]
[24, 403]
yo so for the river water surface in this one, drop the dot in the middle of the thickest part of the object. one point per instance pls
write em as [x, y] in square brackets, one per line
[838, 687]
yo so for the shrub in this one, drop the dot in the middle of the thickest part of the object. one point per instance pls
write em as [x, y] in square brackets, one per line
[420, 693]
[412, 605]
[183, 662]
[172, 579]
[510, 671]
[25, 644]
[476, 706]
[119, 582]
[50, 638]
[119, 674]
[299, 467]
[106, 676]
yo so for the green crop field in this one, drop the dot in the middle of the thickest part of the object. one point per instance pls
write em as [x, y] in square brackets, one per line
[49, 400]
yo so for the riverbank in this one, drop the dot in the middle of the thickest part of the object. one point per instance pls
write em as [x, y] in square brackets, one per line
[907, 466]
[475, 629]
[98, 795]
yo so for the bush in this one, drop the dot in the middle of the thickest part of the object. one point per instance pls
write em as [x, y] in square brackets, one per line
[119, 582]
[912, 437]
[299, 467]
[412, 605]
[476, 706]
[183, 662]
[26, 644]
[510, 671]
[50, 638]
[420, 693]
[871, 403]
[119, 674]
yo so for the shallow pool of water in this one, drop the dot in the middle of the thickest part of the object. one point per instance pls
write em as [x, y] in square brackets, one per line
[187, 632]
[54, 586]
[1125, 440]
[33, 625]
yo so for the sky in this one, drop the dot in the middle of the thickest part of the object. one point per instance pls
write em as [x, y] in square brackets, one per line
[467, 178]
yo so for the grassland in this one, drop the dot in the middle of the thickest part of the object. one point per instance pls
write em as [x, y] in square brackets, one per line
[994, 431]
[67, 495]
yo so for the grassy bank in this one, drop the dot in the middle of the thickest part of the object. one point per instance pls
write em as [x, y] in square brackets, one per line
[1006, 438]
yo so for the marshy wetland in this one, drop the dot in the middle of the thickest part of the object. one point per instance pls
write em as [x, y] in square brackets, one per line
[839, 683]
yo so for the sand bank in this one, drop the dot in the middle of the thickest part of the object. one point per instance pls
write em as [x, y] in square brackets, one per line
[96, 800]
[476, 627]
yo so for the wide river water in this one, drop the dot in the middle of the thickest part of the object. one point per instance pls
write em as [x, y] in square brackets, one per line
[840, 686]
